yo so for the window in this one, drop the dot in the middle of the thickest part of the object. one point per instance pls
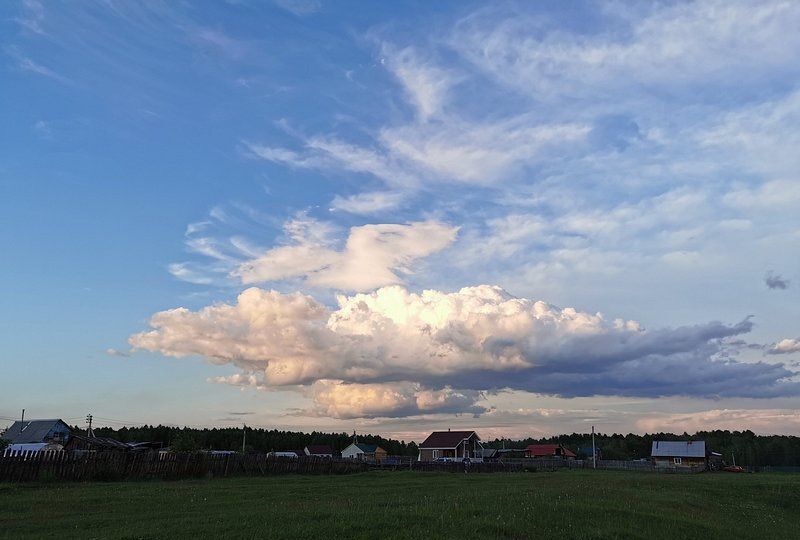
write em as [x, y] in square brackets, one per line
[435, 454]
[676, 460]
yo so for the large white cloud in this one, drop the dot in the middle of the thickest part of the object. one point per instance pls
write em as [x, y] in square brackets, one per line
[395, 345]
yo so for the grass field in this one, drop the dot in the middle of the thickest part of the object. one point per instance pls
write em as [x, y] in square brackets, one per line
[564, 504]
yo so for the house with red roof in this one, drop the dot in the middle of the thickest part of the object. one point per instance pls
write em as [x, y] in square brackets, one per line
[549, 451]
[455, 445]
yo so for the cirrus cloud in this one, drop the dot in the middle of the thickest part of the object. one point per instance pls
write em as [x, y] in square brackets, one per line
[374, 255]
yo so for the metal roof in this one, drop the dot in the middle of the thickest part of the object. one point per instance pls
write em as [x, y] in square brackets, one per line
[367, 448]
[678, 449]
[31, 431]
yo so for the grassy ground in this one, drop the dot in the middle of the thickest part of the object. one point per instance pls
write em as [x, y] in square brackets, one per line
[563, 504]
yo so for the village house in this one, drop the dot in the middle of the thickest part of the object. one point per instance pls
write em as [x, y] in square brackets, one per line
[36, 435]
[679, 454]
[450, 445]
[549, 451]
[364, 452]
[318, 450]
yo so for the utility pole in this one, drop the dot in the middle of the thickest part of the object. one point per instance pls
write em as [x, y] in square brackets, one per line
[594, 451]
[89, 431]
[23, 416]
[244, 435]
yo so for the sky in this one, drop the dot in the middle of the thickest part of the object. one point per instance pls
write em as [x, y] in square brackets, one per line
[520, 218]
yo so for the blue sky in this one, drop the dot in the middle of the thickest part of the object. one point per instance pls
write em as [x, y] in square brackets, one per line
[294, 175]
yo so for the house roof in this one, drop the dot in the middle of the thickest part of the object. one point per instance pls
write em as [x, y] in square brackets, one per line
[319, 449]
[30, 431]
[367, 448]
[678, 449]
[548, 450]
[447, 439]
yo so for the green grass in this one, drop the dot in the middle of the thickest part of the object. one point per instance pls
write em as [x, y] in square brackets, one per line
[564, 504]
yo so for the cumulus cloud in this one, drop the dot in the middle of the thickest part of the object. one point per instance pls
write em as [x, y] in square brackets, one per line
[336, 399]
[785, 346]
[373, 256]
[477, 339]
[776, 281]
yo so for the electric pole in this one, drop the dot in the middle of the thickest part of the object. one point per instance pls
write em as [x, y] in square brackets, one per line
[594, 451]
[244, 435]
[89, 431]
[23, 416]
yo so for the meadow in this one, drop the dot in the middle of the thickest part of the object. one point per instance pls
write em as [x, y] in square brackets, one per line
[563, 504]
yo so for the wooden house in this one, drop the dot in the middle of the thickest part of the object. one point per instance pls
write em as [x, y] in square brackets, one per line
[52, 431]
[679, 454]
[455, 445]
[364, 452]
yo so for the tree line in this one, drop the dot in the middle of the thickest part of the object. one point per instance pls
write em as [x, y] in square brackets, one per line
[256, 439]
[745, 447]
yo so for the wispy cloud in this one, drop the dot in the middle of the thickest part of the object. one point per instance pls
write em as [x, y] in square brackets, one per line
[300, 8]
[373, 256]
[27, 64]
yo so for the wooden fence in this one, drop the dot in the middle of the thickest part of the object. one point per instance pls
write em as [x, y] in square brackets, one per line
[545, 464]
[82, 466]
[473, 467]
